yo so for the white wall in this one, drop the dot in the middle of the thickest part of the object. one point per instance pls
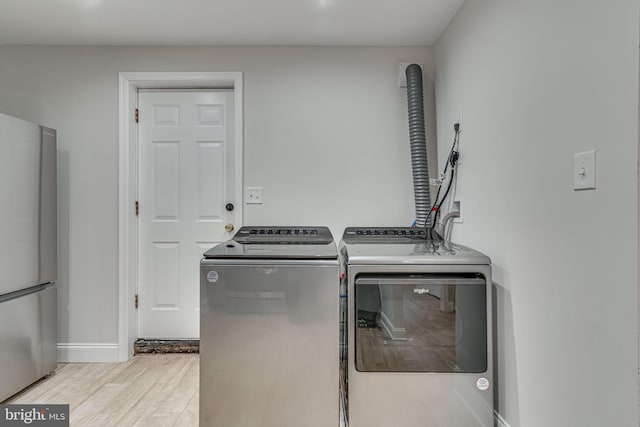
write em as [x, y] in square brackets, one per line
[325, 135]
[536, 82]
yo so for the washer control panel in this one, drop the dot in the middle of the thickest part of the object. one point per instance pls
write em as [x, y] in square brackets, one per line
[284, 235]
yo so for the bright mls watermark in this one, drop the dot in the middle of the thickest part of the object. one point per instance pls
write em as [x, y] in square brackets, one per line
[34, 415]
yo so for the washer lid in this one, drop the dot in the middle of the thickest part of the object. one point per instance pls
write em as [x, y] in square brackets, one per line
[277, 243]
[232, 249]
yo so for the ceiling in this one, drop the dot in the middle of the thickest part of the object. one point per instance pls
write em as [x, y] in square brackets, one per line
[225, 22]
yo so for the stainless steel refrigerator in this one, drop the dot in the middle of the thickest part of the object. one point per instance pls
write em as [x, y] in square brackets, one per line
[28, 254]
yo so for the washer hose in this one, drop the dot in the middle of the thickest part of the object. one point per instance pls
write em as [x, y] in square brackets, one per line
[418, 140]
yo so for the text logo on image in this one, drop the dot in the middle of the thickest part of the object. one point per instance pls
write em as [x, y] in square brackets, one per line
[34, 415]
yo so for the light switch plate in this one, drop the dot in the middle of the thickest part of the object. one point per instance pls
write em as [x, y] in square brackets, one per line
[253, 195]
[584, 170]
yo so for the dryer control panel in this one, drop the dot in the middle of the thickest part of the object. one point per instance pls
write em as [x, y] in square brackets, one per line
[388, 234]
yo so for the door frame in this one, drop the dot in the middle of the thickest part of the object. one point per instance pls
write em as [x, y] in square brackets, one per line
[129, 83]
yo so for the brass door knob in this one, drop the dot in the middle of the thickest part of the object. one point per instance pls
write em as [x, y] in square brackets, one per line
[229, 228]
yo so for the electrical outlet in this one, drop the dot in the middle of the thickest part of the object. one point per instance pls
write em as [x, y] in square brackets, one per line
[253, 195]
[457, 207]
[402, 77]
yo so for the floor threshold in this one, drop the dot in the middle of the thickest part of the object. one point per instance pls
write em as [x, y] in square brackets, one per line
[156, 346]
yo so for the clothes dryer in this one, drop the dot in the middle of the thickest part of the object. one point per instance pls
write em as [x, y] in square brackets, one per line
[418, 333]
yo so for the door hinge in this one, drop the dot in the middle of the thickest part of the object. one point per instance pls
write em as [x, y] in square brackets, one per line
[137, 115]
[137, 208]
[136, 301]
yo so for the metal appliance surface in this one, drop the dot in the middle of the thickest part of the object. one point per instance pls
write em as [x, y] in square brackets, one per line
[277, 243]
[269, 332]
[284, 235]
[28, 248]
[418, 333]
[388, 234]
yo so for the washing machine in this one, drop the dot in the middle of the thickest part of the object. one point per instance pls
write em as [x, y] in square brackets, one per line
[269, 335]
[418, 330]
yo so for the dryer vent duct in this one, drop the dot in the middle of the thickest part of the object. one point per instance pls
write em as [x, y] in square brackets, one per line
[418, 140]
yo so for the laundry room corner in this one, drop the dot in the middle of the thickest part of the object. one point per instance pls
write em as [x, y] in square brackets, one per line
[565, 265]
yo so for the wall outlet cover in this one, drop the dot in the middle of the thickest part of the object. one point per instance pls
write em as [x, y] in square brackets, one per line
[253, 195]
[457, 206]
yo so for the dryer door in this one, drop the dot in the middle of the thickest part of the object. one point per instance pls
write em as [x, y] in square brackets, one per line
[421, 323]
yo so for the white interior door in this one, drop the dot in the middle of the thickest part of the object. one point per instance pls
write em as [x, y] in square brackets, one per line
[186, 164]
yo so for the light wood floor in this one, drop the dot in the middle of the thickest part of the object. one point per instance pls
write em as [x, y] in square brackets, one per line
[148, 390]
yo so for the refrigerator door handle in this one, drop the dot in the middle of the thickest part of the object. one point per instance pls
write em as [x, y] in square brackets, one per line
[23, 292]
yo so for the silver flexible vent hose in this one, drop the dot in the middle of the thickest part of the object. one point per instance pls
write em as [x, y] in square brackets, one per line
[418, 140]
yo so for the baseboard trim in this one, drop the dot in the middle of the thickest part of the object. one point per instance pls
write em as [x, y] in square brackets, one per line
[88, 352]
[500, 422]
[394, 332]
